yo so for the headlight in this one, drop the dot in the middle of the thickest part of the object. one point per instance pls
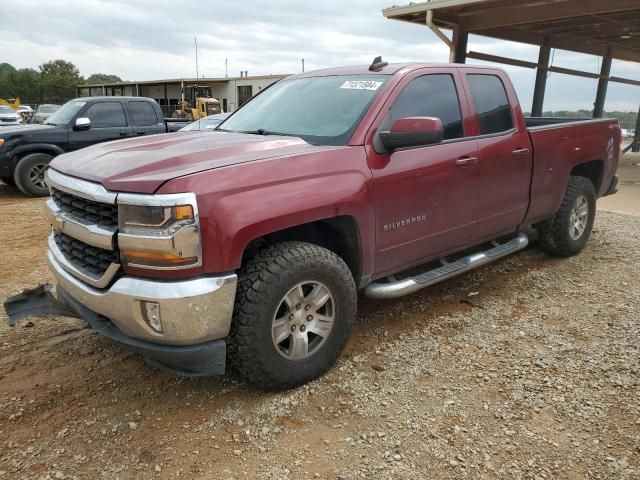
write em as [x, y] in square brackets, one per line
[159, 231]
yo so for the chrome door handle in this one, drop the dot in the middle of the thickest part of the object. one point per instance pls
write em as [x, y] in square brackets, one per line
[124, 133]
[520, 152]
[466, 161]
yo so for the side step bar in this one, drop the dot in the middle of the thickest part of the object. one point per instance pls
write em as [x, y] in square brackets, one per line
[399, 288]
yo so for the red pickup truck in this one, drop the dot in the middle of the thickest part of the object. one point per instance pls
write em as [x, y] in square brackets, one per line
[248, 245]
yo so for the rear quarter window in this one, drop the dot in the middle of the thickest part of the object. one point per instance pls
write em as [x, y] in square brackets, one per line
[491, 102]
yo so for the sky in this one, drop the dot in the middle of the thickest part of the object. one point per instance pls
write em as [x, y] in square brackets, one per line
[154, 39]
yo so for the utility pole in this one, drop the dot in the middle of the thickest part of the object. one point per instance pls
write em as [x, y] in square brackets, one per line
[303, 65]
[226, 67]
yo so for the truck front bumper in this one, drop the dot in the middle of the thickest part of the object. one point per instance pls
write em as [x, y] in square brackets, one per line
[192, 317]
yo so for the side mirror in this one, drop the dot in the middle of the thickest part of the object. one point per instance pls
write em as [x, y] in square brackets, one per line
[413, 132]
[82, 123]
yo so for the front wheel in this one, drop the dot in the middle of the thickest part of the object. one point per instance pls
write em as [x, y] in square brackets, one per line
[295, 306]
[568, 231]
[29, 174]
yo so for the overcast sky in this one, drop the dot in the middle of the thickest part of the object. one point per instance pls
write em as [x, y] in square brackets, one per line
[153, 39]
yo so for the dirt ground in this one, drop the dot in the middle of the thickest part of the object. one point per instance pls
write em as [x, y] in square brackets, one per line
[528, 368]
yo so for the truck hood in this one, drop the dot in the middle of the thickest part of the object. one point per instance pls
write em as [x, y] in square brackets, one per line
[23, 129]
[142, 165]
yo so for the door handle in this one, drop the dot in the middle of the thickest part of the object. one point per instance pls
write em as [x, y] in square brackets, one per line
[141, 132]
[520, 152]
[466, 161]
[124, 133]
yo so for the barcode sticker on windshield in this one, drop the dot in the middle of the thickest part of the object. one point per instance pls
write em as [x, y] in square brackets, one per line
[361, 85]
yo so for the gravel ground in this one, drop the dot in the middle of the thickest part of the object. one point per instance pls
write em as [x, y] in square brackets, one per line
[525, 369]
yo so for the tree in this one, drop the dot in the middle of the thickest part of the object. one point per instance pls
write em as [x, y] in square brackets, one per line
[98, 78]
[58, 80]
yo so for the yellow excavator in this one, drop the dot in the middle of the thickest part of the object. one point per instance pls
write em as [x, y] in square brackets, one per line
[204, 106]
[14, 103]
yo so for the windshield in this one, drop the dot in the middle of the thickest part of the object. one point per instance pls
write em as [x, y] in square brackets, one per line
[6, 110]
[320, 110]
[206, 123]
[65, 113]
[47, 109]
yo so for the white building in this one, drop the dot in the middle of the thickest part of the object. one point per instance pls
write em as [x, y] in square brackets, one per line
[231, 91]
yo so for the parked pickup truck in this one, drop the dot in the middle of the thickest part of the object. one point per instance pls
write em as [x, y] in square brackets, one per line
[248, 245]
[26, 150]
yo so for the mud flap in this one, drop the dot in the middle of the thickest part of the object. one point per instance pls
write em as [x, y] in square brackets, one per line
[36, 302]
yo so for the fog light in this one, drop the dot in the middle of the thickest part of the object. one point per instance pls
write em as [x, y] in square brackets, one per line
[151, 314]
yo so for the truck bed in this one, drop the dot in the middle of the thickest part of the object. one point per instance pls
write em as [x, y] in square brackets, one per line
[558, 145]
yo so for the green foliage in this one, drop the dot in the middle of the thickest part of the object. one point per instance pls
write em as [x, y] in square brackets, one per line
[98, 78]
[58, 81]
[53, 82]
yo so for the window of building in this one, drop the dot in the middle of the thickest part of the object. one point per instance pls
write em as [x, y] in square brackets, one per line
[245, 93]
[430, 96]
[106, 114]
[492, 104]
[143, 113]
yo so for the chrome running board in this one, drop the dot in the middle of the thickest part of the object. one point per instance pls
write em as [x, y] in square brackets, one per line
[397, 288]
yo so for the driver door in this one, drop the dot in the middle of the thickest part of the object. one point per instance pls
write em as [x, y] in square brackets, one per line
[108, 122]
[425, 197]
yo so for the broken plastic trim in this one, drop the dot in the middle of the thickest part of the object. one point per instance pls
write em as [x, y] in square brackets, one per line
[36, 302]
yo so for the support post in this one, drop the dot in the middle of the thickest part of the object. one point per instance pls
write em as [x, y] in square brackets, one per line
[603, 83]
[541, 81]
[636, 137]
[460, 41]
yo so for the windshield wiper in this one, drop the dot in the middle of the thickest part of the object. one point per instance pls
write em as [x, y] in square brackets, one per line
[262, 131]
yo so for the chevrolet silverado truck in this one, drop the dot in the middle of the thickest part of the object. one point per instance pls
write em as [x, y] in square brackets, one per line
[26, 150]
[248, 245]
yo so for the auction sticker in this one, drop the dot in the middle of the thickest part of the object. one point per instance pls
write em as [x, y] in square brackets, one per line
[361, 85]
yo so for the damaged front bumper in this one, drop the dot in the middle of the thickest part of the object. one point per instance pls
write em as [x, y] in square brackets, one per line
[182, 360]
[191, 318]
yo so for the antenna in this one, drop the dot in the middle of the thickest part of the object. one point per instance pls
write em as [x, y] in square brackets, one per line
[303, 65]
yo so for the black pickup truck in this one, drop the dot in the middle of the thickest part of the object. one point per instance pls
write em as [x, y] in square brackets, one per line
[26, 150]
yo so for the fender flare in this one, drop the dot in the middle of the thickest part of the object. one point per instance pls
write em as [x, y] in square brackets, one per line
[21, 150]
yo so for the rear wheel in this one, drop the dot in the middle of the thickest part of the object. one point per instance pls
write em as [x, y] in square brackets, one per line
[295, 306]
[29, 174]
[568, 231]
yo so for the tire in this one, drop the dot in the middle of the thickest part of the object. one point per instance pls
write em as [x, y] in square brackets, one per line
[259, 348]
[567, 232]
[29, 174]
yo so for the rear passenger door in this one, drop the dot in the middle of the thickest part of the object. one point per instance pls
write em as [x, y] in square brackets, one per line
[108, 122]
[505, 156]
[145, 118]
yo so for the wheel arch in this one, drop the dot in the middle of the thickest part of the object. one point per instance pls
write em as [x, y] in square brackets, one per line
[22, 151]
[593, 170]
[340, 234]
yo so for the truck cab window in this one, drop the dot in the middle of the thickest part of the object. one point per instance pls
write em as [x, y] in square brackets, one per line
[492, 105]
[430, 96]
[143, 114]
[106, 114]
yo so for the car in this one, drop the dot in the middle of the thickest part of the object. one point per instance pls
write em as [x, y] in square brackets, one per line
[26, 151]
[249, 245]
[207, 123]
[44, 111]
[9, 117]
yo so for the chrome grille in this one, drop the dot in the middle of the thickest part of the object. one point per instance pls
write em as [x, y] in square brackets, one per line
[83, 256]
[101, 214]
